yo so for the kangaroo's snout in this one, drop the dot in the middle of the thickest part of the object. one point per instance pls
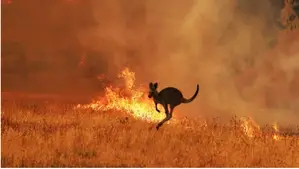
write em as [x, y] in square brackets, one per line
[150, 95]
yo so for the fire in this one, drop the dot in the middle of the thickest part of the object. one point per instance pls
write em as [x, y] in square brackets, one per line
[276, 136]
[130, 99]
[249, 127]
[252, 129]
[133, 100]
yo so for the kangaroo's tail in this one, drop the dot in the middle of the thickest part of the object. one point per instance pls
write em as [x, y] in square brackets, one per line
[193, 97]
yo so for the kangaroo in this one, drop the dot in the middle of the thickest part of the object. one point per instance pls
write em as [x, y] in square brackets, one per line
[168, 96]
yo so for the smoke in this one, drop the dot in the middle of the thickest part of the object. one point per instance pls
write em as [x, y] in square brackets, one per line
[230, 48]
[225, 49]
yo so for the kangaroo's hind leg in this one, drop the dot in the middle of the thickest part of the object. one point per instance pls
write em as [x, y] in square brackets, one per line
[171, 109]
[168, 117]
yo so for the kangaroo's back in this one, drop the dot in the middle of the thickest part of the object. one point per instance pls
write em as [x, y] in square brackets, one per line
[171, 95]
[174, 97]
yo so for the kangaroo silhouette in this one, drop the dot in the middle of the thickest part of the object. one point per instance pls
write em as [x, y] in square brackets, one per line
[168, 96]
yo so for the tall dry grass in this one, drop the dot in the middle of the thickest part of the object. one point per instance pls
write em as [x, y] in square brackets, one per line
[55, 135]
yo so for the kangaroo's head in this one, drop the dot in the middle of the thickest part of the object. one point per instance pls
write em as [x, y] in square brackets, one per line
[152, 89]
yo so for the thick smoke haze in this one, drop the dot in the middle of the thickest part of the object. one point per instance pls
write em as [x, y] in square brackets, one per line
[233, 49]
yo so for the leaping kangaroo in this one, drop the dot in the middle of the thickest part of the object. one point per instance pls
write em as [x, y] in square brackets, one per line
[168, 96]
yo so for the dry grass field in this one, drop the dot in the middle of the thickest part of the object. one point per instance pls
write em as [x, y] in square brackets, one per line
[224, 46]
[56, 135]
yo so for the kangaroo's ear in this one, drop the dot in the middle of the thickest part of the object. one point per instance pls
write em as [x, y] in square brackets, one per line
[150, 85]
[156, 85]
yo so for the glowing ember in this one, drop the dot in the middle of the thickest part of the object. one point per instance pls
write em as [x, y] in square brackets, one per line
[135, 102]
[101, 77]
[6, 2]
[82, 61]
[249, 127]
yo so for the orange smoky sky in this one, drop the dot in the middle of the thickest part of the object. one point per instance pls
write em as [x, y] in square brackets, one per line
[230, 47]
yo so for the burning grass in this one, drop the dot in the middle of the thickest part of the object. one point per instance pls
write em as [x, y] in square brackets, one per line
[118, 130]
[127, 98]
[52, 135]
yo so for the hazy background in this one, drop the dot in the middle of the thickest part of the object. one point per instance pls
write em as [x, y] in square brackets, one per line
[234, 49]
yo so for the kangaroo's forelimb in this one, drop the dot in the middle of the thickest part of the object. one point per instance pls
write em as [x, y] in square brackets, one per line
[156, 104]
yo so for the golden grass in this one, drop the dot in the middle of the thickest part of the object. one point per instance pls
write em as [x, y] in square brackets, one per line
[53, 135]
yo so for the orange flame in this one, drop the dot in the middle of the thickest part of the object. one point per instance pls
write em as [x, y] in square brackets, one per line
[276, 136]
[250, 127]
[134, 101]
